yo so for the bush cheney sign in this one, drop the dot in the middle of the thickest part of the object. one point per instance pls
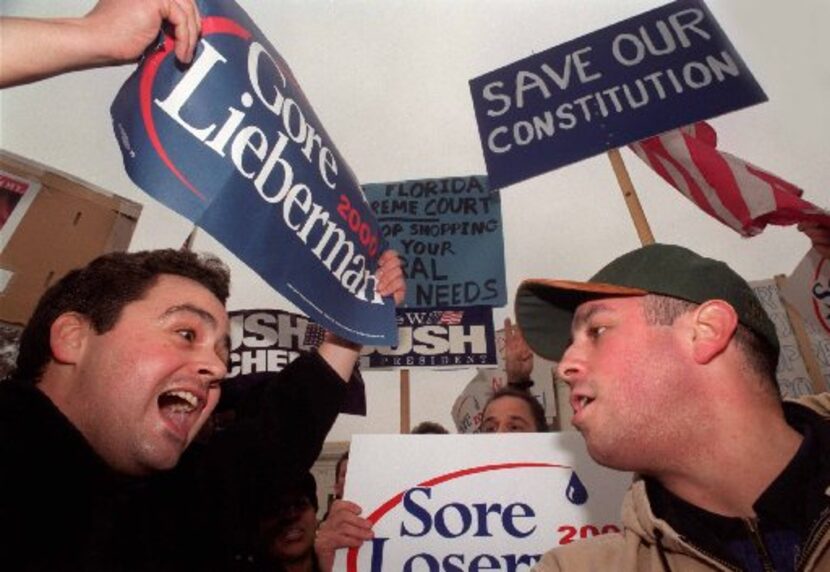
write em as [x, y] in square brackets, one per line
[663, 69]
[231, 143]
[450, 502]
[441, 227]
[438, 337]
[268, 340]
[265, 341]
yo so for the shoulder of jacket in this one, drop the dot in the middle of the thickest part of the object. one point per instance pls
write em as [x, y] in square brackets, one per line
[598, 553]
[820, 403]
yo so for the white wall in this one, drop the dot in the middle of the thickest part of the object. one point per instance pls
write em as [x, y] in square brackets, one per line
[388, 79]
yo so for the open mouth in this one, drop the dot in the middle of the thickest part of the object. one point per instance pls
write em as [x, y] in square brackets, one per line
[178, 401]
[581, 403]
[292, 534]
[179, 407]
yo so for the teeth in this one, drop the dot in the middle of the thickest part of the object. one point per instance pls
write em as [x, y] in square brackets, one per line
[191, 400]
[583, 401]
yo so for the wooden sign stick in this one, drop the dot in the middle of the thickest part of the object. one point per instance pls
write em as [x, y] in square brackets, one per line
[631, 199]
[405, 422]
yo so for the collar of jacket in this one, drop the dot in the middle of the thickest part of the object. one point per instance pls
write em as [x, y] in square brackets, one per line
[647, 498]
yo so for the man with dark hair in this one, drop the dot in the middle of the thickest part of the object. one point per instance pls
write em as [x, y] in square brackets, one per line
[513, 410]
[671, 358]
[429, 428]
[102, 289]
[118, 371]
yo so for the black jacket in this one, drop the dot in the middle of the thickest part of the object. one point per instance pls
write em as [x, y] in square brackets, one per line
[62, 508]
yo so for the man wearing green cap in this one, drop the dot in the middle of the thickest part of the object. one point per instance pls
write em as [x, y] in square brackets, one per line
[671, 361]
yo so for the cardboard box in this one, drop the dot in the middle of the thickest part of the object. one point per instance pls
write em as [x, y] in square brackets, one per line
[50, 223]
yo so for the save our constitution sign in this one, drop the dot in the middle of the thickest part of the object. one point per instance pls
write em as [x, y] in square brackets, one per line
[451, 502]
[231, 143]
[648, 74]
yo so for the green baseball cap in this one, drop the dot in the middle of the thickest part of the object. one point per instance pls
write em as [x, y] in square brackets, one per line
[545, 308]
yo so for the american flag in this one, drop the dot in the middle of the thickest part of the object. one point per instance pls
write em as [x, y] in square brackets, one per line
[451, 317]
[739, 194]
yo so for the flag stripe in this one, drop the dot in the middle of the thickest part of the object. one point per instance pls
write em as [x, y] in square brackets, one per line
[739, 194]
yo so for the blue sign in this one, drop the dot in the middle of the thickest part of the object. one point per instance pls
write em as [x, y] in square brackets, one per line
[441, 227]
[231, 143]
[660, 70]
[438, 338]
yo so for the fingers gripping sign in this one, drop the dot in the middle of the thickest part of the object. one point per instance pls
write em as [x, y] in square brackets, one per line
[344, 528]
[128, 27]
[390, 277]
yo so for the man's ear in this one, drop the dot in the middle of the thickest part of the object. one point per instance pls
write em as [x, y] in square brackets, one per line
[67, 337]
[715, 322]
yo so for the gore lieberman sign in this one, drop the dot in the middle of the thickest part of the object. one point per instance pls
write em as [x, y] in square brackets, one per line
[231, 143]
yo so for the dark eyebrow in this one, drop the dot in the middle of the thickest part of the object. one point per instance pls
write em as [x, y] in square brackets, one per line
[203, 314]
[206, 317]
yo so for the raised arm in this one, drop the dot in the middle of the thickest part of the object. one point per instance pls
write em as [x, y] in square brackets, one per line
[342, 354]
[518, 357]
[115, 31]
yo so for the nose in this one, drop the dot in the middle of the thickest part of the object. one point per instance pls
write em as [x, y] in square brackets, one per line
[212, 366]
[571, 366]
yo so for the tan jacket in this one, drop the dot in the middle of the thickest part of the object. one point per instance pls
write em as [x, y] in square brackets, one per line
[636, 548]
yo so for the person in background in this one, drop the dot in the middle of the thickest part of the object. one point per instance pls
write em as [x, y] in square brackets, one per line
[340, 471]
[113, 32]
[287, 527]
[671, 360]
[429, 427]
[512, 408]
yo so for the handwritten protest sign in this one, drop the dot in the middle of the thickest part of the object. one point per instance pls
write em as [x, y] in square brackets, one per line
[439, 338]
[791, 373]
[450, 502]
[441, 227]
[231, 143]
[663, 69]
[808, 290]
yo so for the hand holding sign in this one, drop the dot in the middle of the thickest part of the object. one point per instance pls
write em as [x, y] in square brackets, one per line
[819, 235]
[342, 529]
[114, 31]
[126, 27]
[390, 278]
[232, 143]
